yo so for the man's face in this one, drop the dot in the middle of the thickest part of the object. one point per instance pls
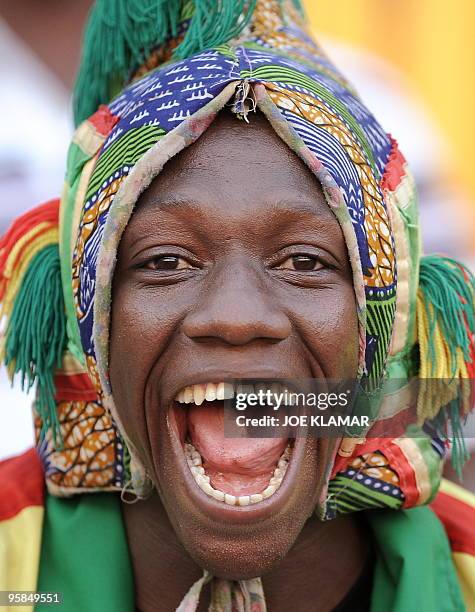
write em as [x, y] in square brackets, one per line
[232, 266]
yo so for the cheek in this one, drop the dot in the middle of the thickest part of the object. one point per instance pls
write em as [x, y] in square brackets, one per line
[328, 324]
[141, 326]
[143, 319]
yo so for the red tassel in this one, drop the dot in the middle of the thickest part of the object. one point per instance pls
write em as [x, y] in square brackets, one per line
[45, 213]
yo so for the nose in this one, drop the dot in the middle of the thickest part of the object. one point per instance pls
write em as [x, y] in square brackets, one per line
[236, 308]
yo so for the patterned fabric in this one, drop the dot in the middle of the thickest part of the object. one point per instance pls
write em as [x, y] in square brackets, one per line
[91, 458]
[38, 532]
[277, 68]
[310, 103]
[369, 481]
[232, 595]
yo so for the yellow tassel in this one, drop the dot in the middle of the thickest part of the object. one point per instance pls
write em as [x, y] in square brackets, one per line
[439, 385]
[16, 274]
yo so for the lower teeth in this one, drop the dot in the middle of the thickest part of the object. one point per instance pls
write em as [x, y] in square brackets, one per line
[193, 458]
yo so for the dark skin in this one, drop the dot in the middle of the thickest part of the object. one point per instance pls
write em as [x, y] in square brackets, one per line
[232, 266]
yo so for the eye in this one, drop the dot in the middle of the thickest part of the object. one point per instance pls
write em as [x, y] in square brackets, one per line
[168, 263]
[301, 263]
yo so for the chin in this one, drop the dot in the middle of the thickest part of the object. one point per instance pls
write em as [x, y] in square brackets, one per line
[237, 505]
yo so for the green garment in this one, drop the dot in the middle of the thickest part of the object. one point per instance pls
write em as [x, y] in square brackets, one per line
[414, 571]
[85, 557]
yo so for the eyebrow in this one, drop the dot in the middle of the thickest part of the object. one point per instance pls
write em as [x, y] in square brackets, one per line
[291, 205]
[283, 214]
[294, 209]
[175, 202]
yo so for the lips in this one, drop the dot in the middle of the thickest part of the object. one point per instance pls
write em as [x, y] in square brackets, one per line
[235, 472]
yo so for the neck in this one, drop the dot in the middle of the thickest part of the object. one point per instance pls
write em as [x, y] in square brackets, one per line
[322, 565]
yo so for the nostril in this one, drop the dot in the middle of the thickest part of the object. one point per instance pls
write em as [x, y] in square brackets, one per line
[239, 329]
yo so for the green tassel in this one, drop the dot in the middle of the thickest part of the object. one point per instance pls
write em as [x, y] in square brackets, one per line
[459, 452]
[36, 334]
[449, 288]
[121, 34]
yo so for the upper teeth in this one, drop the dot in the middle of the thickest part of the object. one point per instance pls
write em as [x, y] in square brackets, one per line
[197, 394]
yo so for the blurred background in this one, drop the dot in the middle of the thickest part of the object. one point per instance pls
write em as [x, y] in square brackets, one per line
[413, 62]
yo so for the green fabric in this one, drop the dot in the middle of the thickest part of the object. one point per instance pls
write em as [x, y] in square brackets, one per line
[85, 556]
[433, 464]
[345, 498]
[77, 158]
[414, 568]
[409, 211]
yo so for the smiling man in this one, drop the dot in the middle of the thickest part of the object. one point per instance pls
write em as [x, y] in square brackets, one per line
[232, 212]
[215, 283]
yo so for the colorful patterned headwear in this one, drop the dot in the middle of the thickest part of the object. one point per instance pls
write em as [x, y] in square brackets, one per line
[153, 78]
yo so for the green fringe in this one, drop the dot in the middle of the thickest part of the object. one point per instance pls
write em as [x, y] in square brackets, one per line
[459, 453]
[120, 35]
[449, 287]
[36, 334]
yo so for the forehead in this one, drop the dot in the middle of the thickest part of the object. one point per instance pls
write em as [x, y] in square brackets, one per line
[237, 167]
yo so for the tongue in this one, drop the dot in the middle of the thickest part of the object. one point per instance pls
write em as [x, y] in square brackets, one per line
[238, 466]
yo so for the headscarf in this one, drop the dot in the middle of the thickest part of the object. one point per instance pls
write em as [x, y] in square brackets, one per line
[154, 76]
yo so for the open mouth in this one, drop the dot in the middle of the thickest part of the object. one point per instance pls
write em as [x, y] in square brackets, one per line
[234, 471]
